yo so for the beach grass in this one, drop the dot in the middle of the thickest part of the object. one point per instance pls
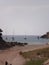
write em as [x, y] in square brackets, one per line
[34, 62]
[44, 52]
[37, 57]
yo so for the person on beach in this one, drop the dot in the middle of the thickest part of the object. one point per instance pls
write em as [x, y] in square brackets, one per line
[6, 63]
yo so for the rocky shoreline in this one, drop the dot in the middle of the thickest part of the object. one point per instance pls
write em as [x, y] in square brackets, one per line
[4, 45]
[7, 45]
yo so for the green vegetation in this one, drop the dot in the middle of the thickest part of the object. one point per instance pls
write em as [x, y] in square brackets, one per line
[39, 52]
[37, 57]
[34, 62]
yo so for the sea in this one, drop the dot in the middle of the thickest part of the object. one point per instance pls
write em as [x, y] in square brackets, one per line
[30, 39]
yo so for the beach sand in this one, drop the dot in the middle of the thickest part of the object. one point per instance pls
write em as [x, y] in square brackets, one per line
[12, 54]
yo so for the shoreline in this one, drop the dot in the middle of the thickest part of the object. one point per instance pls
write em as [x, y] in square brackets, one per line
[27, 46]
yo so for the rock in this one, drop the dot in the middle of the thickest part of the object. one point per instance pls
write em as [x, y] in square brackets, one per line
[45, 35]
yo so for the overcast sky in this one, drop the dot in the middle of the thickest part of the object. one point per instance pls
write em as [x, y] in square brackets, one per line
[19, 17]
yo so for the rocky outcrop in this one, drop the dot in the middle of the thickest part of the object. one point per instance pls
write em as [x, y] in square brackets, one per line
[45, 35]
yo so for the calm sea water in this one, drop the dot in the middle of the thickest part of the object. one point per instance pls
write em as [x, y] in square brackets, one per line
[28, 39]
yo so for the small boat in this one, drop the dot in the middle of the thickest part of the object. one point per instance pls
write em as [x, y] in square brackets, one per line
[25, 38]
[12, 38]
[6, 38]
[38, 37]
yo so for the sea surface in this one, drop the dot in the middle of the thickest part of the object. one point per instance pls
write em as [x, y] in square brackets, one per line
[30, 39]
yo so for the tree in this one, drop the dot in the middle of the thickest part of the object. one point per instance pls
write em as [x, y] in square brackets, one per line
[1, 39]
[1, 32]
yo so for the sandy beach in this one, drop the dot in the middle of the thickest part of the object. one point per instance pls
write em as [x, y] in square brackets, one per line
[12, 54]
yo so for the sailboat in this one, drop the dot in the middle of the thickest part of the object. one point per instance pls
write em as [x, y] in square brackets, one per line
[25, 37]
[6, 38]
[13, 36]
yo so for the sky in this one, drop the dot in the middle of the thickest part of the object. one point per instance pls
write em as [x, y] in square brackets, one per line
[20, 17]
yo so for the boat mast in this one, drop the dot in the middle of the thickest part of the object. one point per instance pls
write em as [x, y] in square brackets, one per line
[25, 37]
[13, 36]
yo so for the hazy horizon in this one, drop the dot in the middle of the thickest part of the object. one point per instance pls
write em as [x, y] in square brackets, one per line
[24, 17]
